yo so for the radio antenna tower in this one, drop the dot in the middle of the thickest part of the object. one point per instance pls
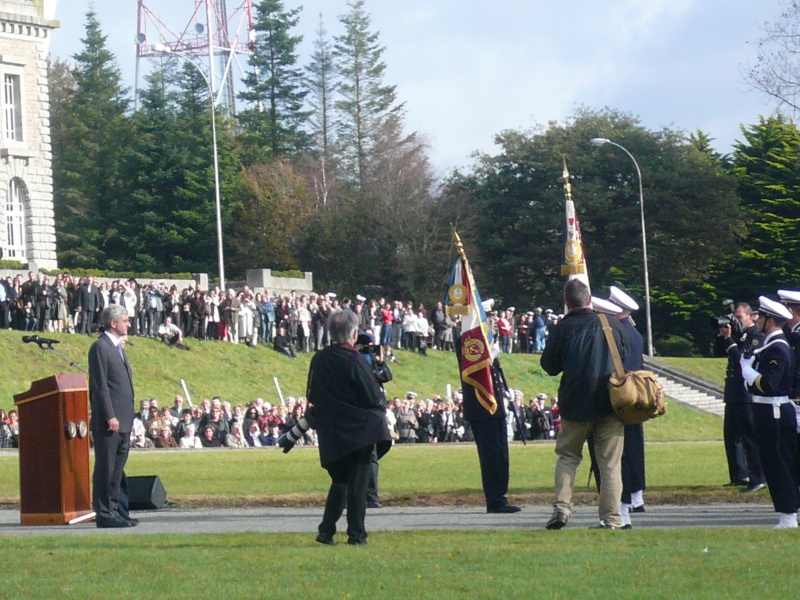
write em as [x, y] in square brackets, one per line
[216, 37]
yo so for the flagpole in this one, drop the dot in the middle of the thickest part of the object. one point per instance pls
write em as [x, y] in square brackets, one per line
[574, 263]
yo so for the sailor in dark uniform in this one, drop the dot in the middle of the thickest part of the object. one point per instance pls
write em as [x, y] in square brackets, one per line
[791, 299]
[633, 471]
[491, 437]
[768, 375]
[741, 450]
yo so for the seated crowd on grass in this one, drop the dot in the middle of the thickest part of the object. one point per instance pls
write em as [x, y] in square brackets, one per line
[215, 424]
[291, 322]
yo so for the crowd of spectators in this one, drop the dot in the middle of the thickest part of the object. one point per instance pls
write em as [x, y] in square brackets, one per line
[292, 322]
[215, 423]
[9, 429]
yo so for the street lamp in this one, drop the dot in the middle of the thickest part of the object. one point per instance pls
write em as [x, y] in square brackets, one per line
[167, 50]
[603, 142]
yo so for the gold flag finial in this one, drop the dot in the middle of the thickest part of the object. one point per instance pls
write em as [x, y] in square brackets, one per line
[459, 245]
[565, 177]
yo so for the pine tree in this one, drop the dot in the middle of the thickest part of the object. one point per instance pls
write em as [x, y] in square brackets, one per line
[321, 79]
[92, 188]
[366, 102]
[275, 85]
[765, 164]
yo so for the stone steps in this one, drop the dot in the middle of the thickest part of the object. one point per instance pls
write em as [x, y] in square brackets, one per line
[686, 395]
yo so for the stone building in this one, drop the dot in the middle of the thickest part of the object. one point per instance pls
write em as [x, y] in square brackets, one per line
[27, 224]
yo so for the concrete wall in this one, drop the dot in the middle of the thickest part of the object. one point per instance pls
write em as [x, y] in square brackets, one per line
[24, 41]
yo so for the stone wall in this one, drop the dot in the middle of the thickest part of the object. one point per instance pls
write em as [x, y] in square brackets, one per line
[24, 42]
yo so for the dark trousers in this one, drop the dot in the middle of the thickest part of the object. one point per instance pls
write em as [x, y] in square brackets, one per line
[110, 456]
[372, 485]
[87, 320]
[349, 477]
[633, 474]
[492, 443]
[741, 450]
[777, 446]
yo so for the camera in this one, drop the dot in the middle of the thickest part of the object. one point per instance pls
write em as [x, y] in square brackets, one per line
[371, 349]
[728, 319]
[288, 440]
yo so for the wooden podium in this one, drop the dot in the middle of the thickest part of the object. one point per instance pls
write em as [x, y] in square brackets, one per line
[54, 451]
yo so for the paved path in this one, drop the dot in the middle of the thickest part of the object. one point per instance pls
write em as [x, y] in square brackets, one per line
[305, 520]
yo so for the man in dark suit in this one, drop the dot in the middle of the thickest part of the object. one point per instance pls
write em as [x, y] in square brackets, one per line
[112, 402]
[350, 415]
[90, 302]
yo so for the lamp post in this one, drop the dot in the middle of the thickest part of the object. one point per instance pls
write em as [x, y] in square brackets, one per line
[167, 50]
[603, 142]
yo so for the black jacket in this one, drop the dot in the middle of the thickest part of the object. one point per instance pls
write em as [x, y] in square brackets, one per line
[349, 407]
[577, 347]
[751, 339]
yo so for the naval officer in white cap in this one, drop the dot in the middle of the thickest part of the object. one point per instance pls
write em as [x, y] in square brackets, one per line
[791, 299]
[768, 376]
[633, 464]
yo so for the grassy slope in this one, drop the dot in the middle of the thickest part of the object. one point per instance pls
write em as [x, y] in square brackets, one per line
[239, 373]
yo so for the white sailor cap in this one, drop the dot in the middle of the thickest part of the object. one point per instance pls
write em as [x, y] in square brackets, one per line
[511, 308]
[770, 308]
[538, 309]
[789, 297]
[411, 395]
[541, 396]
[487, 304]
[331, 294]
[549, 311]
[604, 306]
[360, 298]
[621, 299]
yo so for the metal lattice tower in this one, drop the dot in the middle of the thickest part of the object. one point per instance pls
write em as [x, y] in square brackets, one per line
[217, 35]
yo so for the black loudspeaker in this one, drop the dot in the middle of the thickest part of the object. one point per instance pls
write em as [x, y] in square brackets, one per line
[146, 493]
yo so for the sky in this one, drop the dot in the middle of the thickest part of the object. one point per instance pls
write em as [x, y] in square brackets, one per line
[467, 69]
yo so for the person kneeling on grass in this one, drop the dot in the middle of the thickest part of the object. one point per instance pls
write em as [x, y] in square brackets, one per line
[171, 334]
[283, 343]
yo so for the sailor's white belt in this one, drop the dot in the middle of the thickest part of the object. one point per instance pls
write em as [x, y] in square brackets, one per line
[775, 401]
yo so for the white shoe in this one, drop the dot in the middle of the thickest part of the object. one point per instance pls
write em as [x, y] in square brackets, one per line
[787, 521]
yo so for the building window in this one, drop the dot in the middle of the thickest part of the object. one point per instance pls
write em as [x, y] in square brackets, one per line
[15, 222]
[12, 108]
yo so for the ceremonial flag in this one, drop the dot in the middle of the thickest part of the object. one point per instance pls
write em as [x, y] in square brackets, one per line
[476, 360]
[573, 263]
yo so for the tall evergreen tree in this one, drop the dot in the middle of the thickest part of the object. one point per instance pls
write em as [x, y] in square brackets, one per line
[321, 79]
[366, 102]
[156, 168]
[92, 186]
[194, 207]
[767, 166]
[274, 87]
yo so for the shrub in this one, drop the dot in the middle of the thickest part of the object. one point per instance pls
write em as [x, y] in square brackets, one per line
[675, 345]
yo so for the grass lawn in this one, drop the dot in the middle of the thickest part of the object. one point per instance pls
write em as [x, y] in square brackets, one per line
[685, 463]
[697, 563]
[410, 475]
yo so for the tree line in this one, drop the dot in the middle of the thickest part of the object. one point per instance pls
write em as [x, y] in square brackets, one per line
[318, 172]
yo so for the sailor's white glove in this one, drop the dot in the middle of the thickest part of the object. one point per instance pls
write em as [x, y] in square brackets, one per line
[748, 372]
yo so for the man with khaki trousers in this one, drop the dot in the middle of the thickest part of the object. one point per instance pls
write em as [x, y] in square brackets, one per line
[577, 349]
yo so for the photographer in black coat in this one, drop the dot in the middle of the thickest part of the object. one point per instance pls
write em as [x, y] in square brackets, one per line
[350, 415]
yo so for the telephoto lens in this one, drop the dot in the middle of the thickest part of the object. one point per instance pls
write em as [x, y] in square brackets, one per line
[288, 440]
